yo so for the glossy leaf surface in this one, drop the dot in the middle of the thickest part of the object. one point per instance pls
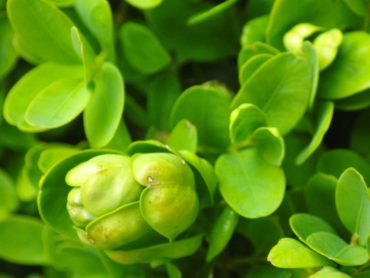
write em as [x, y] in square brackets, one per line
[104, 110]
[336, 249]
[34, 83]
[353, 203]
[211, 120]
[222, 232]
[142, 49]
[349, 73]
[274, 93]
[44, 29]
[290, 253]
[251, 187]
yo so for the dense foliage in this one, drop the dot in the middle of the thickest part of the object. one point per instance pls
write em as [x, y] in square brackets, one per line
[184, 138]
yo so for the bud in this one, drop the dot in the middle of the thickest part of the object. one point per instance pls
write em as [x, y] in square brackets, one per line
[118, 199]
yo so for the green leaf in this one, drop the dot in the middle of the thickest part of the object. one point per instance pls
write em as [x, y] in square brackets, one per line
[57, 104]
[30, 86]
[104, 110]
[309, 52]
[205, 177]
[201, 42]
[335, 162]
[326, 46]
[84, 51]
[222, 231]
[251, 66]
[147, 146]
[244, 121]
[355, 102]
[142, 49]
[336, 249]
[349, 73]
[304, 224]
[144, 4]
[21, 240]
[217, 10]
[283, 79]
[8, 56]
[8, 195]
[326, 13]
[269, 145]
[294, 38]
[97, 16]
[320, 189]
[54, 154]
[324, 117]
[353, 203]
[183, 137]
[25, 53]
[329, 272]
[62, 3]
[251, 187]
[121, 139]
[254, 30]
[43, 29]
[173, 271]
[173, 250]
[207, 107]
[290, 253]
[257, 48]
[162, 94]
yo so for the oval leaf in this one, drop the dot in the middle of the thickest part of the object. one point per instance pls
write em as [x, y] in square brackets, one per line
[29, 86]
[206, 107]
[303, 225]
[349, 73]
[284, 79]
[251, 66]
[250, 186]
[44, 30]
[244, 121]
[222, 231]
[353, 203]
[290, 253]
[183, 137]
[269, 145]
[142, 49]
[104, 111]
[57, 104]
[97, 16]
[335, 162]
[336, 249]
